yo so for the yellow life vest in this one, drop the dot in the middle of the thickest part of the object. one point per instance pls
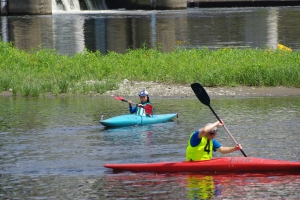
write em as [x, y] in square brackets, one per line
[202, 151]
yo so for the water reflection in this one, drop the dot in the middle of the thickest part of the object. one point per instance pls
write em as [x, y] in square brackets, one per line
[139, 135]
[196, 186]
[201, 187]
[272, 29]
[111, 30]
[149, 186]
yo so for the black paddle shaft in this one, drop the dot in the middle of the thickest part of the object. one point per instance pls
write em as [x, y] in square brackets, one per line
[204, 98]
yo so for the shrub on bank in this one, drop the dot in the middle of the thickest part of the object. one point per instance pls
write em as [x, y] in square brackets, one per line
[46, 71]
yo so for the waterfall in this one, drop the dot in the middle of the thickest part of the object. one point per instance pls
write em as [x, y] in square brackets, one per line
[75, 5]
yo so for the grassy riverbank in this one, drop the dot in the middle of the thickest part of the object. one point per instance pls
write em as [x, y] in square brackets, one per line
[44, 71]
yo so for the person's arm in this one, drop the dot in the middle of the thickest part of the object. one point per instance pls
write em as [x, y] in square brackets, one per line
[131, 109]
[229, 149]
[206, 130]
[195, 140]
[143, 104]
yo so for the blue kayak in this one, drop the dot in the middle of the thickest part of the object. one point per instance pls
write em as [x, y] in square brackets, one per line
[133, 120]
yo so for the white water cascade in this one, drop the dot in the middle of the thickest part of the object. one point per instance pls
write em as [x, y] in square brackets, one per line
[74, 5]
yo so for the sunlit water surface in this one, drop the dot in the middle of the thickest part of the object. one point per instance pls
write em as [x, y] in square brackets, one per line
[55, 148]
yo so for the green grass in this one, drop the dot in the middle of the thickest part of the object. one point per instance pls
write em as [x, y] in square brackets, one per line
[46, 71]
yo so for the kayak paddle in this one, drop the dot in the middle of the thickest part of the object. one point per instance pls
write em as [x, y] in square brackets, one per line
[204, 98]
[148, 108]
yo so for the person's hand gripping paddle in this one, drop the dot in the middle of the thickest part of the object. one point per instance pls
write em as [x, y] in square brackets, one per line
[148, 108]
[204, 98]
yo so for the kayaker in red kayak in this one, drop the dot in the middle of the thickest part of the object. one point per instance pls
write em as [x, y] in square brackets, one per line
[139, 109]
[201, 143]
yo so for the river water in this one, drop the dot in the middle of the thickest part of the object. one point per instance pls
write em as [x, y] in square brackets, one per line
[118, 30]
[55, 148]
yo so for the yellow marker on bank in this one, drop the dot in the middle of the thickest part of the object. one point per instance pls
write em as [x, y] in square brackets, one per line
[282, 47]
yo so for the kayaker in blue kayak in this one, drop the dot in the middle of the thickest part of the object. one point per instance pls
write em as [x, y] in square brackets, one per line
[144, 108]
[201, 143]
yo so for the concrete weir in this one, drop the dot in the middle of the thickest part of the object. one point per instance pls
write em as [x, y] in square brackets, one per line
[169, 4]
[147, 4]
[29, 7]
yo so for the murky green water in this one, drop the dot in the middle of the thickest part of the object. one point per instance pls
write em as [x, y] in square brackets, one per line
[55, 148]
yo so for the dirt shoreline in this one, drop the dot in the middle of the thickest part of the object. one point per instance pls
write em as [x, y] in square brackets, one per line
[131, 89]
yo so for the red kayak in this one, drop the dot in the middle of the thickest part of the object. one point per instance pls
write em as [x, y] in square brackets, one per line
[225, 164]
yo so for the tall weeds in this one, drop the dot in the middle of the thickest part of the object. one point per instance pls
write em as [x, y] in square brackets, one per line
[45, 71]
